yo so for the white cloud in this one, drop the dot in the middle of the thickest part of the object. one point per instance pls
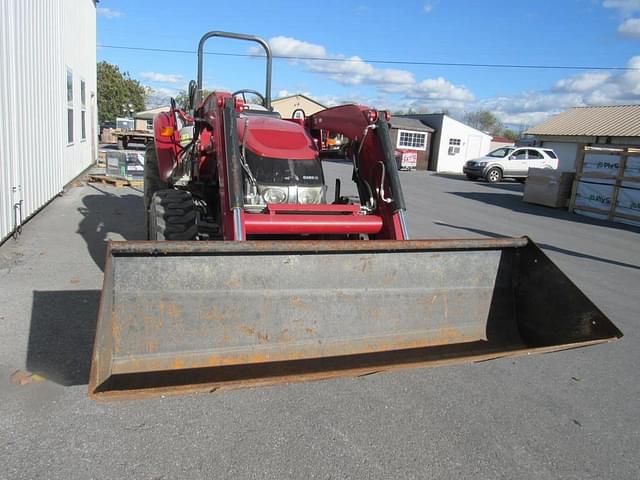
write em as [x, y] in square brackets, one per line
[355, 71]
[158, 97]
[399, 90]
[591, 88]
[291, 47]
[428, 7]
[626, 7]
[441, 89]
[108, 13]
[630, 28]
[582, 82]
[162, 77]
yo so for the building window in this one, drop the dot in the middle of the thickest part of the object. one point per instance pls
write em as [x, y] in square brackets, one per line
[454, 146]
[83, 110]
[69, 106]
[412, 140]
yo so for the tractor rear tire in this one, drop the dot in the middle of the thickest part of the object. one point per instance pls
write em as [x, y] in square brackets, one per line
[172, 216]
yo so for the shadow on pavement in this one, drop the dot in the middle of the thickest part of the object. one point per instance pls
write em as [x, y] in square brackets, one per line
[544, 246]
[61, 336]
[107, 213]
[508, 184]
[515, 203]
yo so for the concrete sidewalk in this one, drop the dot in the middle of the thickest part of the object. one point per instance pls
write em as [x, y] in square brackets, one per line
[573, 414]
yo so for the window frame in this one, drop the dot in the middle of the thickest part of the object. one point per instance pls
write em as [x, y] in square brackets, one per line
[412, 134]
[70, 109]
[83, 110]
[454, 146]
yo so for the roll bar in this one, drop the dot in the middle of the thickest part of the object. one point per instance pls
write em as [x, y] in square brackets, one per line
[236, 36]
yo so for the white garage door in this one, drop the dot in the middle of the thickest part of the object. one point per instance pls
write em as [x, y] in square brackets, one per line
[566, 153]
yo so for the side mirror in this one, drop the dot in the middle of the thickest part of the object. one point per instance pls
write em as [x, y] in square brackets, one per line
[192, 94]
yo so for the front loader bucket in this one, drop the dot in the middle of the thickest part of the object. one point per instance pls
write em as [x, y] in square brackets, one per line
[199, 316]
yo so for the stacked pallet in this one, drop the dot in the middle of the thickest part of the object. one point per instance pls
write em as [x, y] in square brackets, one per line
[549, 187]
[607, 184]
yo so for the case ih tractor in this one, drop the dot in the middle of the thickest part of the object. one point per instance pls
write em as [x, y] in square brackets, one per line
[252, 276]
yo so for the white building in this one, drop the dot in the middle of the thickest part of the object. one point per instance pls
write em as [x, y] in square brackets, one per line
[453, 142]
[616, 125]
[48, 117]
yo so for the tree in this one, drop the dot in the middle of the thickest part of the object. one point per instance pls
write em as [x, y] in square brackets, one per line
[510, 134]
[116, 89]
[483, 120]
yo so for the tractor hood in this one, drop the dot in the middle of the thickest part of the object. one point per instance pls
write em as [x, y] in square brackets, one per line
[275, 138]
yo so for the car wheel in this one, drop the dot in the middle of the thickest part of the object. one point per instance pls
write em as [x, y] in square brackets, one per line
[494, 175]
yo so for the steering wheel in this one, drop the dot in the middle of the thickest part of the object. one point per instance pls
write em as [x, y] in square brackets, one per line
[252, 92]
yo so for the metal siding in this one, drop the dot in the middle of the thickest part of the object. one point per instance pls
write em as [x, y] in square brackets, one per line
[38, 39]
[610, 121]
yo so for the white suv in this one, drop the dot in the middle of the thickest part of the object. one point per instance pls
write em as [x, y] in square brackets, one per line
[510, 162]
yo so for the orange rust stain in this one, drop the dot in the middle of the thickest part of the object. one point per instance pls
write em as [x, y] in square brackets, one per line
[299, 303]
[284, 336]
[233, 282]
[214, 313]
[152, 346]
[178, 364]
[173, 311]
[152, 322]
[262, 337]
[226, 339]
[309, 330]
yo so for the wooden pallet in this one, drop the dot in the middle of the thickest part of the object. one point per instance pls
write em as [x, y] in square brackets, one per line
[114, 181]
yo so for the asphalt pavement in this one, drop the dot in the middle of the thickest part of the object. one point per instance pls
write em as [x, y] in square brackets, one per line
[571, 415]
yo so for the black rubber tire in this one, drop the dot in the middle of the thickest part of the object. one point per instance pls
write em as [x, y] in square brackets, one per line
[494, 175]
[472, 177]
[125, 142]
[172, 216]
[152, 182]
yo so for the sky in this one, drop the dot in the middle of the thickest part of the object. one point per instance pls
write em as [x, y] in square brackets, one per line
[356, 51]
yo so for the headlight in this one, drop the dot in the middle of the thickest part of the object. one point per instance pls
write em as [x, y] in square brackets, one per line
[274, 195]
[308, 195]
[482, 164]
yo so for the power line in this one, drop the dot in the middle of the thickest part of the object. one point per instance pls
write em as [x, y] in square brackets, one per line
[388, 62]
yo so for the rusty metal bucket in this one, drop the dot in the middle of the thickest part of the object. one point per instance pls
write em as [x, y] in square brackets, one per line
[199, 316]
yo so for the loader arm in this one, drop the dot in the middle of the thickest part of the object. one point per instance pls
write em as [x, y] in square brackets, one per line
[375, 171]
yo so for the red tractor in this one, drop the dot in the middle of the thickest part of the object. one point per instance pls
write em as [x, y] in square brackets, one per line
[237, 171]
[297, 286]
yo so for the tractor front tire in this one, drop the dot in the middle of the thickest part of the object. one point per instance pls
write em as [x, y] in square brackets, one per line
[152, 182]
[172, 216]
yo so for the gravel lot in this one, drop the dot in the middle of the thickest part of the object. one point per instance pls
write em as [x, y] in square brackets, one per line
[571, 415]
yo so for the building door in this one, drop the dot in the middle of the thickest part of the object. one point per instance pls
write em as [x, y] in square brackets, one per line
[474, 144]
